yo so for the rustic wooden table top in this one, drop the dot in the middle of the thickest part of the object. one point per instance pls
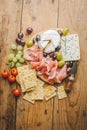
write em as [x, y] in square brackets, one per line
[66, 114]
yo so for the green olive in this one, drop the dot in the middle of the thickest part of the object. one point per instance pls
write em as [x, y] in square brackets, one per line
[61, 63]
[59, 56]
[65, 31]
[29, 43]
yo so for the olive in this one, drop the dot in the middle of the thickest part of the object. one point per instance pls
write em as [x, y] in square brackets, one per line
[29, 30]
[18, 40]
[22, 43]
[38, 37]
[52, 54]
[54, 57]
[70, 64]
[60, 32]
[57, 49]
[34, 40]
[20, 35]
[45, 54]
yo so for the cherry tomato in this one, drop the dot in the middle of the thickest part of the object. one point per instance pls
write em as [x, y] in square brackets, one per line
[11, 78]
[14, 71]
[17, 92]
[4, 73]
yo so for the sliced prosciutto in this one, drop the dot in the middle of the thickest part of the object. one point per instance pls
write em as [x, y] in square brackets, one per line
[45, 66]
[33, 53]
[61, 73]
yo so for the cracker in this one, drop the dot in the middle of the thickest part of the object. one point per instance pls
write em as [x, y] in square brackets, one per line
[37, 93]
[27, 78]
[40, 83]
[17, 79]
[49, 92]
[28, 97]
[70, 48]
[29, 81]
[61, 92]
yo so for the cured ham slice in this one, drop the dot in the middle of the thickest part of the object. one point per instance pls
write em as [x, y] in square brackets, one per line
[61, 74]
[45, 66]
[33, 54]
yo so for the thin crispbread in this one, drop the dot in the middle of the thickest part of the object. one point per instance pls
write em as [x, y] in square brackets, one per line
[28, 97]
[61, 92]
[26, 77]
[49, 92]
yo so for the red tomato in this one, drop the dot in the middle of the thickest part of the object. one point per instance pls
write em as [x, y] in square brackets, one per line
[14, 71]
[17, 92]
[11, 78]
[4, 73]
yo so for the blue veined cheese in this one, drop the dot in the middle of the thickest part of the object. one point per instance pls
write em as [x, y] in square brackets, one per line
[70, 48]
[53, 37]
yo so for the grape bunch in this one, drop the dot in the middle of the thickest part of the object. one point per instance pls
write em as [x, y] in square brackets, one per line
[16, 58]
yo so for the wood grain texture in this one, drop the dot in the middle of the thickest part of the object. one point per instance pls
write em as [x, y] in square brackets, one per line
[71, 112]
[40, 15]
[10, 12]
[66, 114]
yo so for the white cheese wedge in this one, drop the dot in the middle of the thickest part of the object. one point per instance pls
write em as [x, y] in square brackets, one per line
[42, 44]
[55, 40]
[49, 48]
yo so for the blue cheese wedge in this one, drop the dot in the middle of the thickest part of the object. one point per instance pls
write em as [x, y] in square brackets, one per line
[70, 48]
[53, 37]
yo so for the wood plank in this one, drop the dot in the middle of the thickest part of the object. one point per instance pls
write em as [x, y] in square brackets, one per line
[40, 15]
[10, 13]
[71, 113]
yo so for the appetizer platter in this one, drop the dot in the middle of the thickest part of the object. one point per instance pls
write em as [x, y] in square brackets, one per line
[45, 66]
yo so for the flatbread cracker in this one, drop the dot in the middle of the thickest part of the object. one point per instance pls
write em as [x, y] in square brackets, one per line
[70, 48]
[27, 77]
[37, 93]
[28, 97]
[61, 92]
[49, 92]
[40, 82]
[29, 81]
[17, 79]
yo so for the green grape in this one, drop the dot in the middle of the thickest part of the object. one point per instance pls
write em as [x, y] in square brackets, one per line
[29, 43]
[12, 64]
[18, 56]
[61, 63]
[10, 57]
[18, 64]
[13, 47]
[19, 48]
[21, 60]
[65, 31]
[20, 53]
[14, 60]
[59, 56]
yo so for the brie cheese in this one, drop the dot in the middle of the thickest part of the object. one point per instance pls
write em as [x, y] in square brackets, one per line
[49, 48]
[55, 40]
[42, 44]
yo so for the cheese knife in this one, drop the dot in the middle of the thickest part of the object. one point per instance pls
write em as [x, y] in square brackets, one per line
[69, 83]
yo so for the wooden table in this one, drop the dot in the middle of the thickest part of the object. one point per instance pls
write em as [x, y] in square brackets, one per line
[66, 114]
